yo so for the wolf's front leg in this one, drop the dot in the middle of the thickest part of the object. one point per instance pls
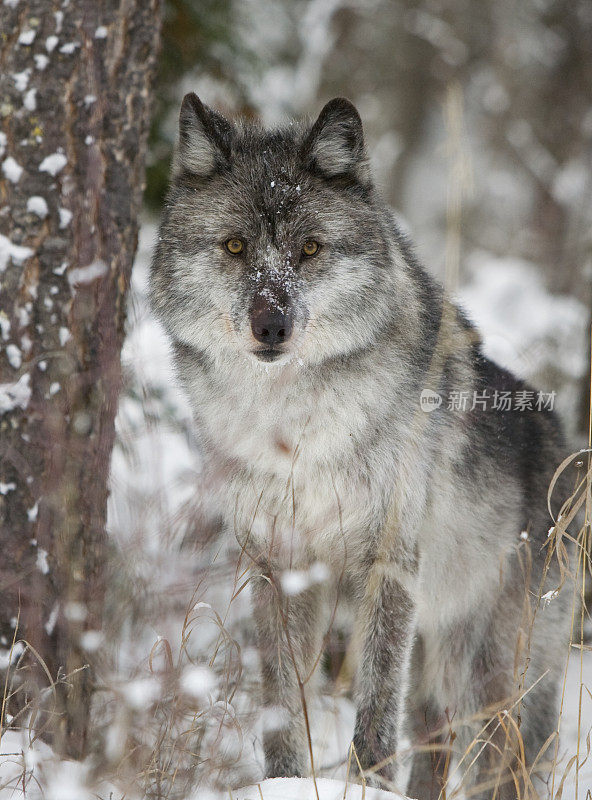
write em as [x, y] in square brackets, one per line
[289, 632]
[386, 629]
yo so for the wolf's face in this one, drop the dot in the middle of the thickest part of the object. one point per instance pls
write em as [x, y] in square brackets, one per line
[271, 244]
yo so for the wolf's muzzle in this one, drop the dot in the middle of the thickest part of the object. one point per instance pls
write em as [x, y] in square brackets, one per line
[270, 323]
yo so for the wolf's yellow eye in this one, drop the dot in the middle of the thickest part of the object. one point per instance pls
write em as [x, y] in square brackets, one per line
[310, 248]
[234, 246]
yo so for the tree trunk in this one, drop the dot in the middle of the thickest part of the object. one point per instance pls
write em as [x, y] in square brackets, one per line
[74, 113]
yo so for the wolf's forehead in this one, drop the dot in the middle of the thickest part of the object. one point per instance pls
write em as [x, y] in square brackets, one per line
[275, 201]
[272, 189]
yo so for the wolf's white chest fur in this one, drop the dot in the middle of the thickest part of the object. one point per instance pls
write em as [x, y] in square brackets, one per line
[290, 457]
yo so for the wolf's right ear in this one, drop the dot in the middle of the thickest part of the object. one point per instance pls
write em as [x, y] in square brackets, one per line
[204, 139]
[335, 144]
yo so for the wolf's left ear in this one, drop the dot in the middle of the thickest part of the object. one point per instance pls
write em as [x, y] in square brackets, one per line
[335, 144]
[204, 138]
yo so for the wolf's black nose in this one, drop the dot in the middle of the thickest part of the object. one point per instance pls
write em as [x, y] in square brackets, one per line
[271, 326]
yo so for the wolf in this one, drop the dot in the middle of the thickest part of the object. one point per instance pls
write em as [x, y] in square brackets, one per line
[306, 334]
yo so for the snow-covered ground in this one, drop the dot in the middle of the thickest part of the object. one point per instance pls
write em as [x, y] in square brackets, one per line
[305, 789]
[33, 772]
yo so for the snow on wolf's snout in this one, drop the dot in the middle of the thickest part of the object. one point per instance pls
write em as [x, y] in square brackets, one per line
[269, 239]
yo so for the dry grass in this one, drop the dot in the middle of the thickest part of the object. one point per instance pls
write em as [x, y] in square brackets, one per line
[179, 741]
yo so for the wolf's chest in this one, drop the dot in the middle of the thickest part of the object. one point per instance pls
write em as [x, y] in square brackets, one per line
[290, 465]
[272, 427]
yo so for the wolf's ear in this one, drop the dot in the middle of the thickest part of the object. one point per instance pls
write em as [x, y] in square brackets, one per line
[204, 138]
[335, 144]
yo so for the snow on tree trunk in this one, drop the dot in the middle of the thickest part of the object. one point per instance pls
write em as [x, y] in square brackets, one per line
[74, 112]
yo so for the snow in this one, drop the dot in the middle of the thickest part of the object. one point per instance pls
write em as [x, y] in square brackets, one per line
[7, 487]
[297, 581]
[4, 325]
[32, 512]
[539, 336]
[15, 395]
[12, 169]
[27, 37]
[52, 619]
[274, 718]
[82, 423]
[68, 782]
[548, 596]
[51, 43]
[169, 484]
[304, 789]
[294, 581]
[523, 325]
[579, 667]
[91, 640]
[440, 34]
[24, 314]
[30, 100]
[571, 182]
[41, 61]
[42, 563]
[53, 164]
[3, 140]
[141, 693]
[30, 770]
[64, 336]
[65, 217]
[14, 356]
[89, 99]
[288, 87]
[75, 612]
[69, 48]
[198, 681]
[101, 32]
[10, 656]
[21, 79]
[87, 274]
[37, 205]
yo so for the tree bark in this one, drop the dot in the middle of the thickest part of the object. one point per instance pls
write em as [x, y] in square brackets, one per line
[74, 112]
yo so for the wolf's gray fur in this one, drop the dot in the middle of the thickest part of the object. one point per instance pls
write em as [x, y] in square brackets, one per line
[319, 452]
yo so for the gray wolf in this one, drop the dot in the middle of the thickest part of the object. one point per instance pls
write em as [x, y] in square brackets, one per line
[304, 332]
